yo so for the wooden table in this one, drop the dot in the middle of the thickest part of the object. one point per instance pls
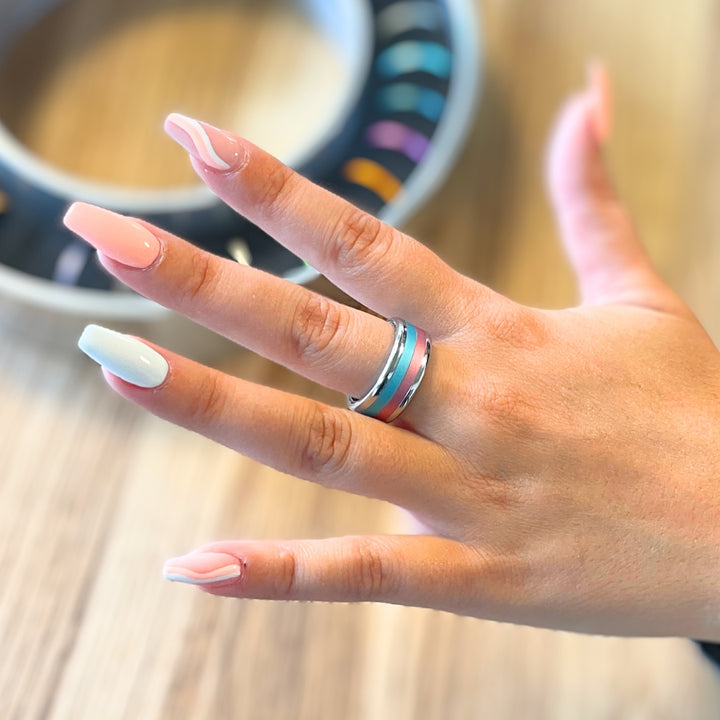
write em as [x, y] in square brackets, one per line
[95, 494]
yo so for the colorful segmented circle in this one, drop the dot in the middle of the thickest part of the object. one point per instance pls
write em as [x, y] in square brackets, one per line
[400, 141]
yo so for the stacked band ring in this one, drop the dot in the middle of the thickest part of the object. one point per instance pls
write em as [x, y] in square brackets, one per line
[400, 376]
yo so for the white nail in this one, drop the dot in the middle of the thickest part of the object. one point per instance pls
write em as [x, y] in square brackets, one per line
[124, 356]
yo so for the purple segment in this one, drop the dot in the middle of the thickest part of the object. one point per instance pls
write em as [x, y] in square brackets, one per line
[391, 135]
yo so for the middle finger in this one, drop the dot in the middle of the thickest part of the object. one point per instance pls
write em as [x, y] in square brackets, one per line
[324, 340]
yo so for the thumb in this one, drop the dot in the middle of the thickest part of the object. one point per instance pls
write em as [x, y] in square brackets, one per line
[611, 263]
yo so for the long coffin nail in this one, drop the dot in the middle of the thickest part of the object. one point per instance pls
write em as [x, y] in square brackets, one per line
[119, 237]
[206, 143]
[124, 356]
[202, 568]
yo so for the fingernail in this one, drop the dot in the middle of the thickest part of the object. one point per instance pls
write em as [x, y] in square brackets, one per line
[202, 568]
[600, 98]
[124, 356]
[119, 237]
[208, 144]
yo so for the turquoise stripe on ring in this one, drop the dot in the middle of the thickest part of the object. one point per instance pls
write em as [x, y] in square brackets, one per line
[411, 381]
[405, 379]
[400, 372]
[411, 56]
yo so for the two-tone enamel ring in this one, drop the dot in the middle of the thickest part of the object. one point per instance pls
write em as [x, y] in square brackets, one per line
[400, 376]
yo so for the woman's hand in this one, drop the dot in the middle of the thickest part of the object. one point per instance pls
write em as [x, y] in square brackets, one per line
[565, 463]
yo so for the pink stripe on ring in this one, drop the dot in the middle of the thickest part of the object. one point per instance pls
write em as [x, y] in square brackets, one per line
[411, 377]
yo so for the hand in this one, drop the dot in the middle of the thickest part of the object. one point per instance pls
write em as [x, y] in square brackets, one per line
[566, 464]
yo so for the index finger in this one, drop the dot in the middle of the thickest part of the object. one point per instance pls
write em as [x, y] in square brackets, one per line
[381, 267]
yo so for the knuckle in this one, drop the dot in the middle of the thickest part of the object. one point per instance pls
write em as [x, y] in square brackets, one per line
[326, 443]
[361, 240]
[507, 576]
[501, 401]
[274, 188]
[515, 325]
[286, 577]
[316, 324]
[199, 278]
[508, 409]
[499, 494]
[367, 572]
[211, 400]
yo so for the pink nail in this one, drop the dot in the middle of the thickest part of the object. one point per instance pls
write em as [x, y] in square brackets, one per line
[202, 568]
[210, 145]
[119, 237]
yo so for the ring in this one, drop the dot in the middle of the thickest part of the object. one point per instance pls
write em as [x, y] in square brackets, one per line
[400, 376]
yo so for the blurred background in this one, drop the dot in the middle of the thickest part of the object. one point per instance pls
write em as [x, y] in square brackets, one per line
[95, 494]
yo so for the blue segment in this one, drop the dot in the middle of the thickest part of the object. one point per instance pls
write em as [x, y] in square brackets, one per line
[405, 97]
[397, 377]
[415, 56]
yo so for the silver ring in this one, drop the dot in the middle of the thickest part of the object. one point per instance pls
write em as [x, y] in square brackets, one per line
[400, 376]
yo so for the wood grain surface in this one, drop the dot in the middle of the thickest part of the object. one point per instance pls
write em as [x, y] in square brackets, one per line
[95, 494]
